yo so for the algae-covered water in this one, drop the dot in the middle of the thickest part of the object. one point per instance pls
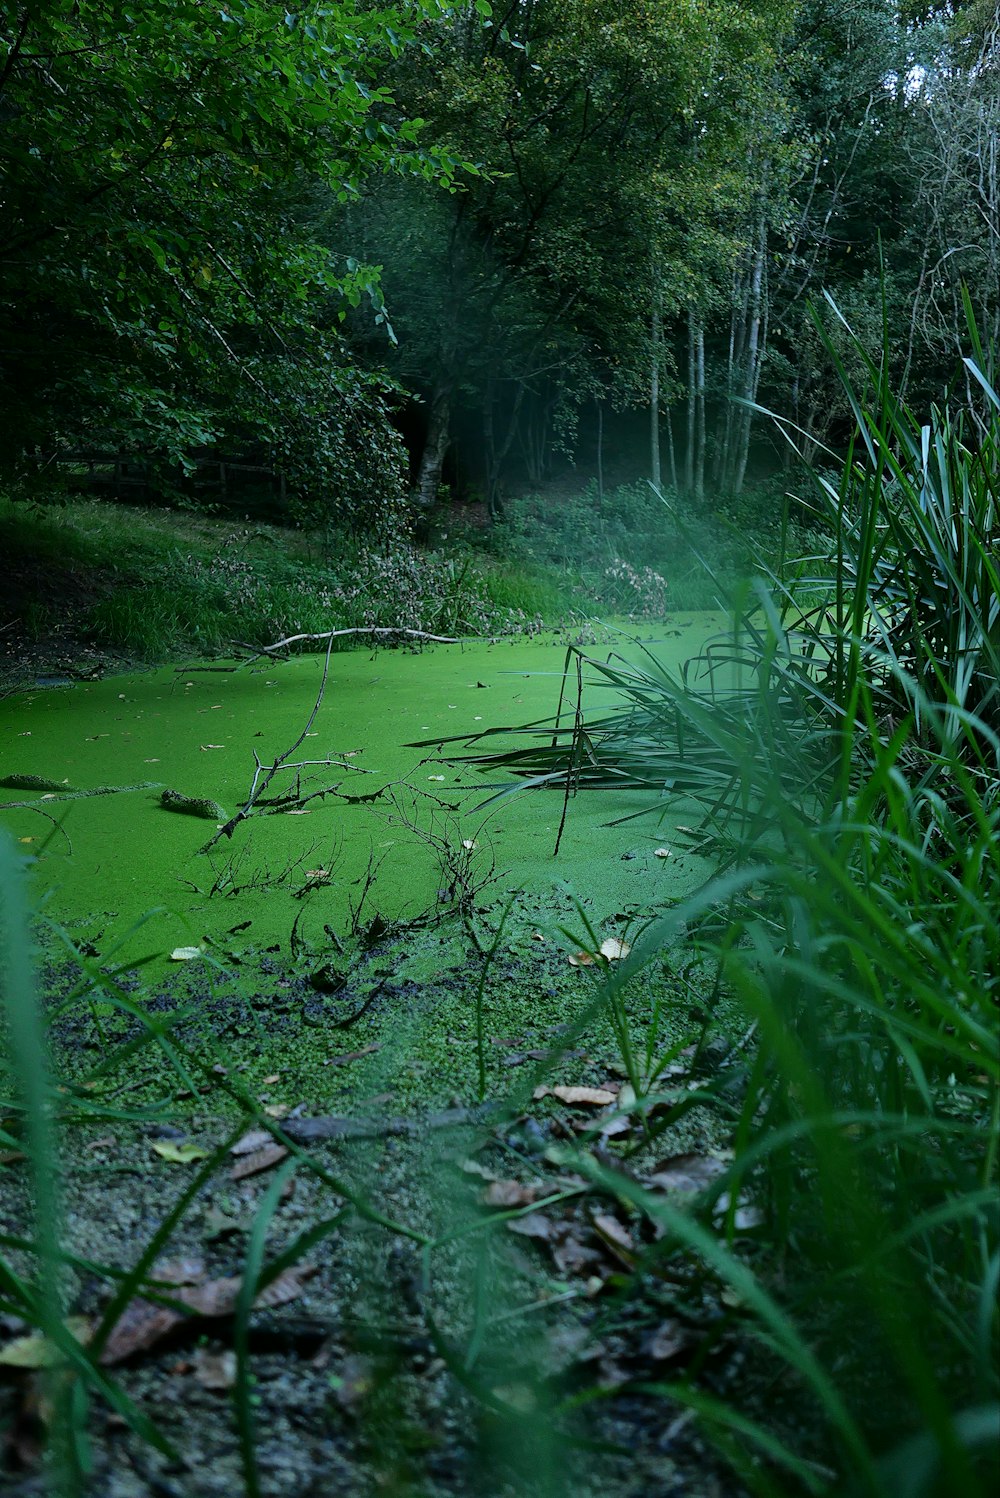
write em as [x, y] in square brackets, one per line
[118, 858]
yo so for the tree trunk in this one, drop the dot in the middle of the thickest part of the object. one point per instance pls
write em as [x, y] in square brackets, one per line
[600, 453]
[699, 455]
[672, 457]
[654, 391]
[754, 355]
[689, 454]
[425, 490]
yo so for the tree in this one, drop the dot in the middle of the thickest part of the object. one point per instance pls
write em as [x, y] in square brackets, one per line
[158, 291]
[591, 124]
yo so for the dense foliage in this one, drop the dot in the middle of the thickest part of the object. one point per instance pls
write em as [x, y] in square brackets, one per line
[203, 209]
[161, 290]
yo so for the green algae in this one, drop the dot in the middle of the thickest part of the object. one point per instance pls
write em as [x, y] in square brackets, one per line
[388, 838]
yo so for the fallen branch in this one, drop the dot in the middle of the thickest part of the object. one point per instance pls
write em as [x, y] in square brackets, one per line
[262, 778]
[98, 790]
[338, 634]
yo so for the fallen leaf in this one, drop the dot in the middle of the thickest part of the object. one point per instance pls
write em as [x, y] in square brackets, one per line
[667, 1341]
[474, 1168]
[510, 1194]
[251, 1142]
[262, 1159]
[36, 1350]
[435, 777]
[366, 1050]
[143, 1324]
[614, 950]
[270, 1081]
[26, 839]
[572, 1256]
[687, 1172]
[215, 1370]
[218, 1224]
[287, 1286]
[662, 853]
[297, 811]
[533, 1225]
[185, 954]
[179, 1154]
[581, 959]
[469, 844]
[317, 873]
[617, 1237]
[596, 1097]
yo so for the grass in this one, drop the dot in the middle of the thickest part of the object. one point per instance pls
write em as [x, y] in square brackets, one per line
[845, 754]
[150, 585]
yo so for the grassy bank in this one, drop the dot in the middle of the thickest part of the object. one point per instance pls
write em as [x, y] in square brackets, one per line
[147, 584]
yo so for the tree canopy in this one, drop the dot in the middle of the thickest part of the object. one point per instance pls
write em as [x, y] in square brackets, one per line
[247, 227]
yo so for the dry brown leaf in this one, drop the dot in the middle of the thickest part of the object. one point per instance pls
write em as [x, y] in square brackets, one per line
[215, 1370]
[667, 1341]
[533, 1225]
[342, 1060]
[688, 1172]
[473, 1168]
[573, 1256]
[143, 1324]
[617, 1237]
[662, 853]
[593, 1097]
[185, 954]
[510, 1194]
[287, 1286]
[614, 949]
[179, 1272]
[581, 959]
[251, 1142]
[262, 1159]
[140, 1326]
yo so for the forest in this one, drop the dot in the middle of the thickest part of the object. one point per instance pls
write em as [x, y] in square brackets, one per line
[554, 446]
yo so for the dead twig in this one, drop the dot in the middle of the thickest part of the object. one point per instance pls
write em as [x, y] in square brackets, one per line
[339, 634]
[262, 778]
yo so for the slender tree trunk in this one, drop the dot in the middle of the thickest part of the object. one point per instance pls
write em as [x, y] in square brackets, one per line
[699, 459]
[496, 456]
[654, 389]
[600, 453]
[689, 454]
[425, 490]
[754, 353]
[671, 455]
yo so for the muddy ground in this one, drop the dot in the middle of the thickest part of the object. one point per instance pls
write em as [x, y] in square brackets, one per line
[510, 1358]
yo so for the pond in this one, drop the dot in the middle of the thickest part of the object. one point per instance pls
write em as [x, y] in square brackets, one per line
[124, 864]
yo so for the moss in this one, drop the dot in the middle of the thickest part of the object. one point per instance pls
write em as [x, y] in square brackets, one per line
[32, 783]
[193, 806]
